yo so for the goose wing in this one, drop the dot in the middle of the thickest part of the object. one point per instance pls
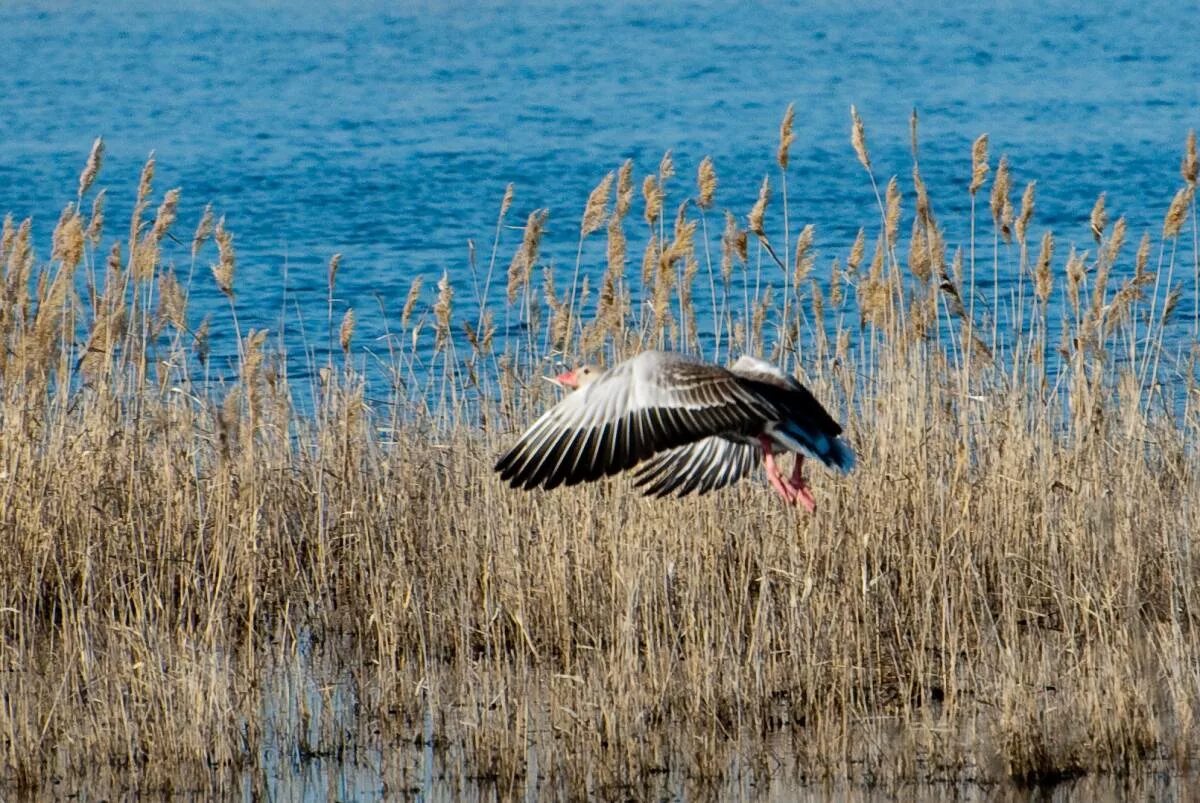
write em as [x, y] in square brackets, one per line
[651, 403]
[703, 466]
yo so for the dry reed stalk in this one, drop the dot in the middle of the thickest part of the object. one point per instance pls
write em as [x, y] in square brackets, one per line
[95, 227]
[91, 168]
[1001, 203]
[1043, 278]
[706, 183]
[1189, 166]
[805, 258]
[442, 309]
[1098, 219]
[755, 219]
[226, 263]
[1177, 212]
[979, 164]
[1026, 215]
[346, 331]
[520, 269]
[858, 139]
[891, 217]
[786, 137]
[596, 210]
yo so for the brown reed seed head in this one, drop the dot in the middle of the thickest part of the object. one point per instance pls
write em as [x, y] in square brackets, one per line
[1027, 206]
[666, 168]
[1098, 219]
[1001, 188]
[596, 210]
[1177, 212]
[441, 311]
[615, 252]
[506, 201]
[835, 283]
[172, 304]
[786, 137]
[805, 256]
[650, 260]
[1115, 241]
[858, 139]
[857, 251]
[68, 238]
[728, 245]
[919, 263]
[755, 218]
[979, 163]
[1142, 260]
[95, 227]
[706, 181]
[335, 262]
[226, 264]
[624, 189]
[410, 302]
[91, 168]
[1188, 167]
[346, 331]
[652, 192]
[913, 125]
[891, 216]
[204, 230]
[165, 217]
[521, 268]
[1044, 279]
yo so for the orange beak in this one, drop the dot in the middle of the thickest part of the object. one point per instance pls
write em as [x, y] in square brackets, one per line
[567, 380]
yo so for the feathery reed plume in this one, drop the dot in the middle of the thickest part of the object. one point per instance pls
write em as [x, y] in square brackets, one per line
[172, 303]
[706, 180]
[835, 283]
[919, 263]
[1098, 219]
[226, 259]
[1188, 167]
[1115, 241]
[346, 331]
[506, 202]
[143, 199]
[652, 192]
[857, 251]
[729, 245]
[1177, 212]
[650, 260]
[1076, 271]
[596, 210]
[335, 262]
[92, 167]
[979, 163]
[441, 311]
[786, 137]
[204, 230]
[805, 258]
[666, 168]
[913, 124]
[755, 218]
[858, 139]
[1001, 204]
[165, 218]
[523, 261]
[95, 227]
[891, 217]
[624, 189]
[410, 302]
[68, 238]
[1142, 260]
[1044, 279]
[924, 210]
[1027, 205]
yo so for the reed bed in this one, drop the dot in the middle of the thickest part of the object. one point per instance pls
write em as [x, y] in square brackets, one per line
[202, 574]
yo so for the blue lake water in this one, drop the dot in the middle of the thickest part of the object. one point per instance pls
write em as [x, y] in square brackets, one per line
[388, 132]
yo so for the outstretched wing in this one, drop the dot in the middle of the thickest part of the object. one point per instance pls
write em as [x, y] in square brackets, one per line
[648, 404]
[703, 466]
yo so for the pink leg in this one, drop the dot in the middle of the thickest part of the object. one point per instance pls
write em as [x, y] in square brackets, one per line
[800, 487]
[773, 473]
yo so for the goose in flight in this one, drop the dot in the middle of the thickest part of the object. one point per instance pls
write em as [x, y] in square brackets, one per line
[687, 425]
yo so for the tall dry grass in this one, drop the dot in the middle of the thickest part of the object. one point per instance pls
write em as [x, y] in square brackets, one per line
[1004, 590]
